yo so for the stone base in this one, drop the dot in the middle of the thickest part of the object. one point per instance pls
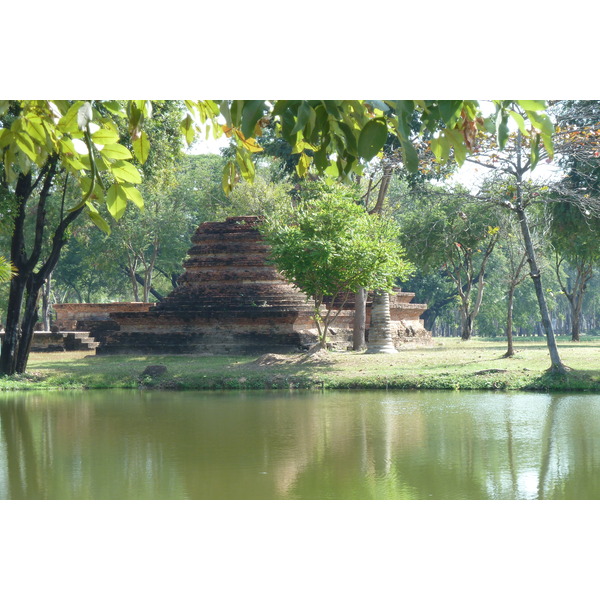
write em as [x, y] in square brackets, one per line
[65, 341]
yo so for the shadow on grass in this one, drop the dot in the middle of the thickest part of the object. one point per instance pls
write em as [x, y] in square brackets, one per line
[572, 380]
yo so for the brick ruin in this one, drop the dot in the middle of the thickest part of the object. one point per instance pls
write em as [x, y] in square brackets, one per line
[230, 299]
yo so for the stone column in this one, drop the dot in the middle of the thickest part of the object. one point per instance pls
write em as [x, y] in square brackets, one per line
[380, 337]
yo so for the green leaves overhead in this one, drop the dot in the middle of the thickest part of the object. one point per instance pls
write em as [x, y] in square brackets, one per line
[252, 112]
[335, 136]
[372, 138]
[85, 139]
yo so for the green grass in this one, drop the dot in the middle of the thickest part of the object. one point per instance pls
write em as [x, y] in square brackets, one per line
[448, 364]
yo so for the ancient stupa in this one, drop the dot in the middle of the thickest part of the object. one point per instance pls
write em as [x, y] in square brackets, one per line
[230, 299]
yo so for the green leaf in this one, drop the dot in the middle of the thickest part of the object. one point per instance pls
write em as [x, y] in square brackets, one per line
[546, 128]
[141, 147]
[115, 152]
[228, 179]
[303, 164]
[332, 108]
[125, 171]
[35, 130]
[457, 141]
[25, 145]
[350, 137]
[449, 111]
[116, 201]
[535, 105]
[105, 136]
[410, 156]
[541, 122]
[114, 106]
[68, 123]
[97, 219]
[134, 195]
[502, 128]
[187, 129]
[520, 121]
[252, 112]
[306, 114]
[245, 164]
[372, 138]
[440, 147]
[6, 137]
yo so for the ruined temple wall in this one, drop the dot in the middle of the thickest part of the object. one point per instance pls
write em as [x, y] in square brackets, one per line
[68, 315]
[232, 299]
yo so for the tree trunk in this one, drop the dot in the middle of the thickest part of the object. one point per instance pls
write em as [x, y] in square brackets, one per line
[30, 318]
[466, 324]
[12, 334]
[510, 351]
[575, 327]
[360, 316]
[47, 290]
[556, 363]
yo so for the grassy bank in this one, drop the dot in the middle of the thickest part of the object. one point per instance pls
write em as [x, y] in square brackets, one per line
[448, 364]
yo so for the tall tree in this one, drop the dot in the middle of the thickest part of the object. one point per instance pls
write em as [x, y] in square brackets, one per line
[41, 141]
[444, 232]
[576, 241]
[329, 247]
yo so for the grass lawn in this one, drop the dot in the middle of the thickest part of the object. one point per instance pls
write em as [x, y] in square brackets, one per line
[447, 364]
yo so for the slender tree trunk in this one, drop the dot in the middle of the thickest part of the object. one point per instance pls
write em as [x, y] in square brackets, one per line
[360, 316]
[534, 271]
[134, 283]
[47, 290]
[510, 351]
[575, 326]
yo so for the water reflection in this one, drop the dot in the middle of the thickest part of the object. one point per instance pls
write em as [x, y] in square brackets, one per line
[300, 445]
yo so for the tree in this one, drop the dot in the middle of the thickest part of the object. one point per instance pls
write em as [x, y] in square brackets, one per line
[509, 158]
[576, 241]
[444, 232]
[575, 233]
[41, 141]
[515, 275]
[329, 247]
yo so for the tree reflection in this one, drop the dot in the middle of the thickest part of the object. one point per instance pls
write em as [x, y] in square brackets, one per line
[22, 465]
[299, 446]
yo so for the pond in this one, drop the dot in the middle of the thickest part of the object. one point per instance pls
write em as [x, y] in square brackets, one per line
[299, 445]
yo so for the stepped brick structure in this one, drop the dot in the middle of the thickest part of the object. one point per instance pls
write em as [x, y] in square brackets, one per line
[232, 300]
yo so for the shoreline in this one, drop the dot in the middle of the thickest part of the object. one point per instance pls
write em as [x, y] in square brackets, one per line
[449, 364]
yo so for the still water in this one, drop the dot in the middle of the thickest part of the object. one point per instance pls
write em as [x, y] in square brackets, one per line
[299, 445]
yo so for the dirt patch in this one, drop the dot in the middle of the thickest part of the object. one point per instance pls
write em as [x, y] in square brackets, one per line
[322, 357]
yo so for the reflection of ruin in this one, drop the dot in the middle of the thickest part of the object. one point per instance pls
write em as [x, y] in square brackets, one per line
[231, 299]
